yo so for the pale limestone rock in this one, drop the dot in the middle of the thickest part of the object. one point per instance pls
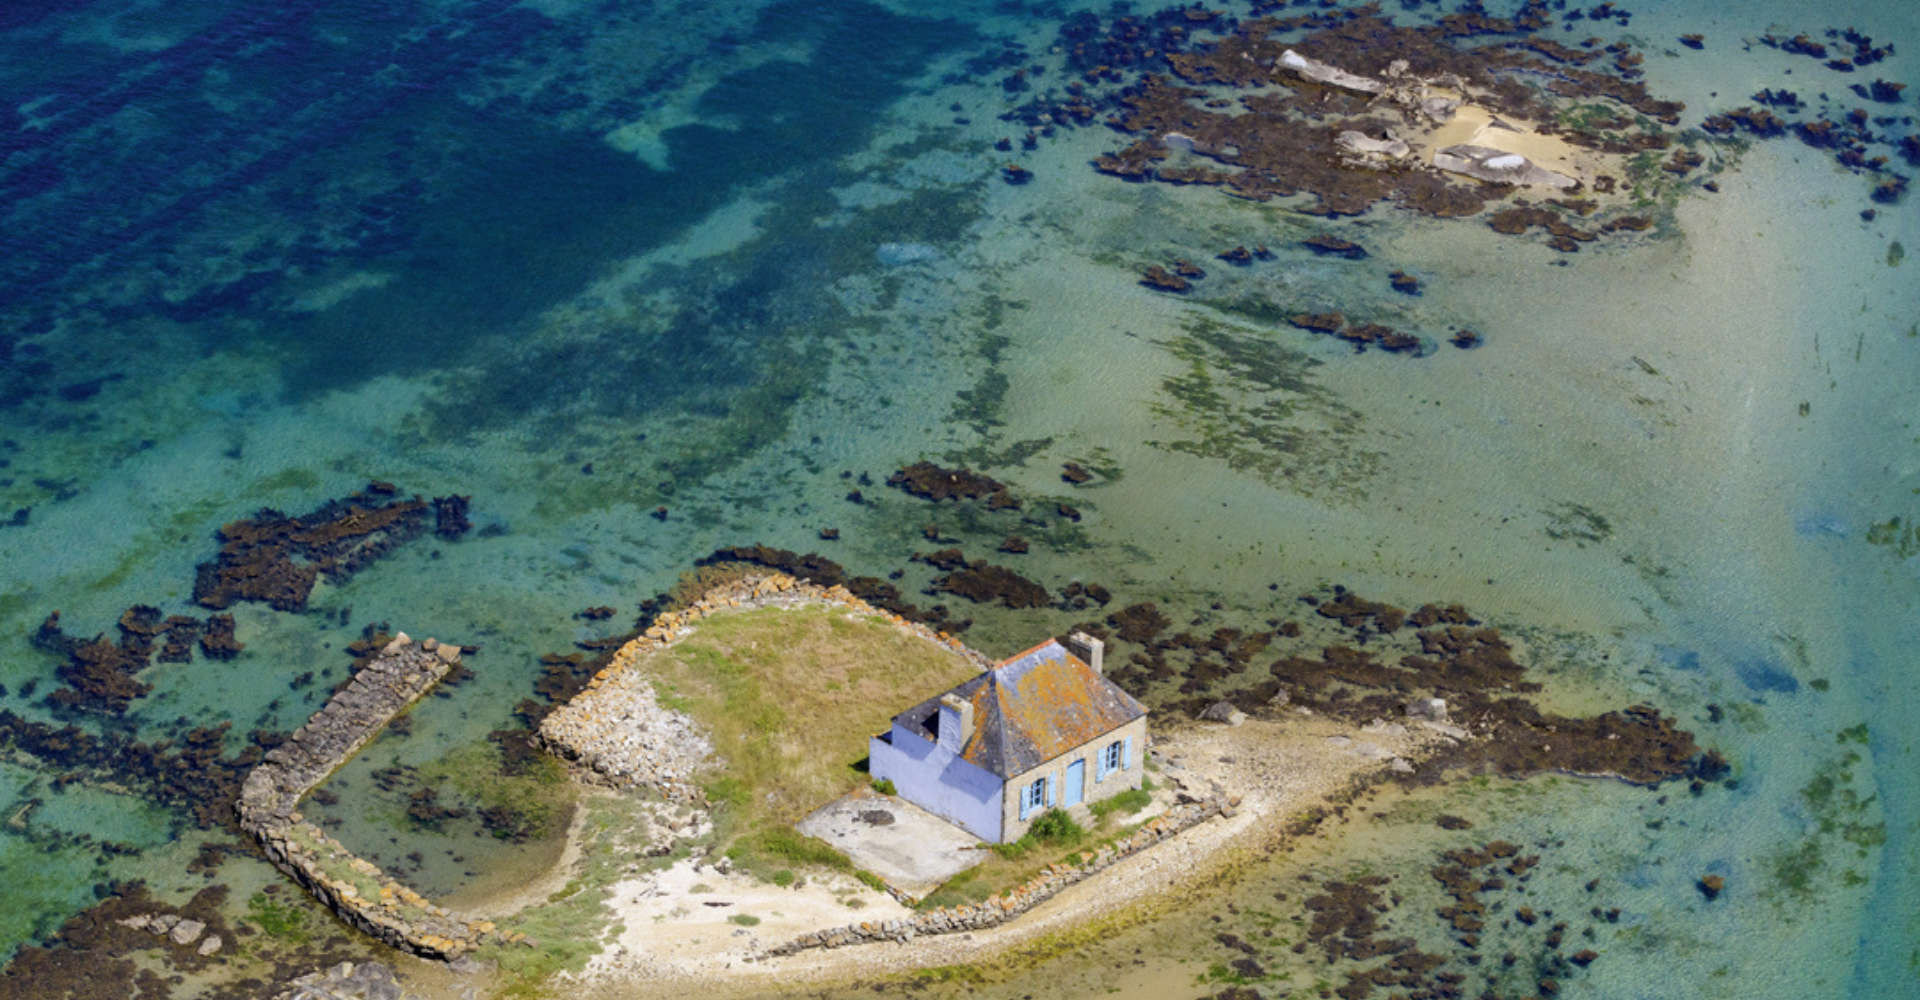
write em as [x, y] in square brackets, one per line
[1498, 167]
[1360, 143]
[1332, 76]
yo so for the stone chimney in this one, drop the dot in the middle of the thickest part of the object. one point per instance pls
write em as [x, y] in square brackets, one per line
[956, 722]
[1089, 649]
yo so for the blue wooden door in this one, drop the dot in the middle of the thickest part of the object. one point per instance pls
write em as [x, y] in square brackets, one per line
[1076, 782]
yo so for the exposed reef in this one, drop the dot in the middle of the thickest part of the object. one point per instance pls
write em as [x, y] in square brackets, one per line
[109, 950]
[986, 583]
[1315, 90]
[1465, 668]
[931, 482]
[101, 675]
[187, 772]
[276, 559]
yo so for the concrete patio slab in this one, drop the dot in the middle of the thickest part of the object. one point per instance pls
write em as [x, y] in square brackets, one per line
[909, 847]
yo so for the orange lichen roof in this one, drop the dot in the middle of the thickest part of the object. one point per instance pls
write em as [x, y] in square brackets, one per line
[1031, 708]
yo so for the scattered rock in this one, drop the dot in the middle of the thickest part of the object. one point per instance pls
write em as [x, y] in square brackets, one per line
[1223, 712]
[186, 931]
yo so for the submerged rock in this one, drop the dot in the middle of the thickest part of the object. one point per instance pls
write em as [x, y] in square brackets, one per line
[903, 254]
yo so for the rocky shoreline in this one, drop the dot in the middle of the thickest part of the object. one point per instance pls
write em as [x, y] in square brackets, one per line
[617, 733]
[355, 889]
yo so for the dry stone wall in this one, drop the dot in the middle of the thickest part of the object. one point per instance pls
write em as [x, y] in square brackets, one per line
[1005, 907]
[619, 734]
[354, 888]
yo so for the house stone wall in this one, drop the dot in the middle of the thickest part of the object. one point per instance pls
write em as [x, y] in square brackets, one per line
[1013, 827]
[938, 780]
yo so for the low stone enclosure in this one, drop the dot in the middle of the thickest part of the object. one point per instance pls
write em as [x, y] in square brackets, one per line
[355, 889]
[618, 734]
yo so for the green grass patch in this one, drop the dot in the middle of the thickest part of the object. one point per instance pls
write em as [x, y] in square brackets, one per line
[1126, 803]
[744, 920]
[789, 698]
[1052, 838]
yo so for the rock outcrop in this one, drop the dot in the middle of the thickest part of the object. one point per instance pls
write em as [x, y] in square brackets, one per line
[1365, 149]
[347, 981]
[1332, 76]
[1498, 167]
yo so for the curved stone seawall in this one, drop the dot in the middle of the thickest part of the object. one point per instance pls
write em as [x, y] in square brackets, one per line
[357, 890]
[619, 734]
[1005, 907]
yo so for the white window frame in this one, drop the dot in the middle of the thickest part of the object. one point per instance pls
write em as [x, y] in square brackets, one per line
[1033, 797]
[1112, 757]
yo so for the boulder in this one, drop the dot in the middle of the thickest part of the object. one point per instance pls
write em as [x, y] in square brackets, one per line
[1332, 76]
[186, 931]
[1360, 143]
[1427, 709]
[1223, 712]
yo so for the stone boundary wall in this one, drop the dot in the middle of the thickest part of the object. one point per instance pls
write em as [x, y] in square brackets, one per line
[1007, 906]
[614, 731]
[355, 889]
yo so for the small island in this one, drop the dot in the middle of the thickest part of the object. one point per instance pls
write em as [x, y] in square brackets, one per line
[752, 798]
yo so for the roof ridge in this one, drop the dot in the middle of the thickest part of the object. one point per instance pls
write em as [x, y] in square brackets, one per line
[1023, 654]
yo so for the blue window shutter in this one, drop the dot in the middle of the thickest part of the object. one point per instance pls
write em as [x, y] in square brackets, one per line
[1126, 754]
[1053, 785]
[1026, 802]
[1100, 765]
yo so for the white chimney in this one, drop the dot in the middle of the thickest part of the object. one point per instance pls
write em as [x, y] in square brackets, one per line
[1087, 648]
[956, 722]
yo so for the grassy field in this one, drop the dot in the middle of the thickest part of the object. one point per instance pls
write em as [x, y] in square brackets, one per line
[789, 698]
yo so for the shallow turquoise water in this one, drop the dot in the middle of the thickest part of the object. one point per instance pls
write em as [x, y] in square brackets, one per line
[585, 260]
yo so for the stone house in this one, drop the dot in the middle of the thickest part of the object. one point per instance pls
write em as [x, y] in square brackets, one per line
[1045, 729]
